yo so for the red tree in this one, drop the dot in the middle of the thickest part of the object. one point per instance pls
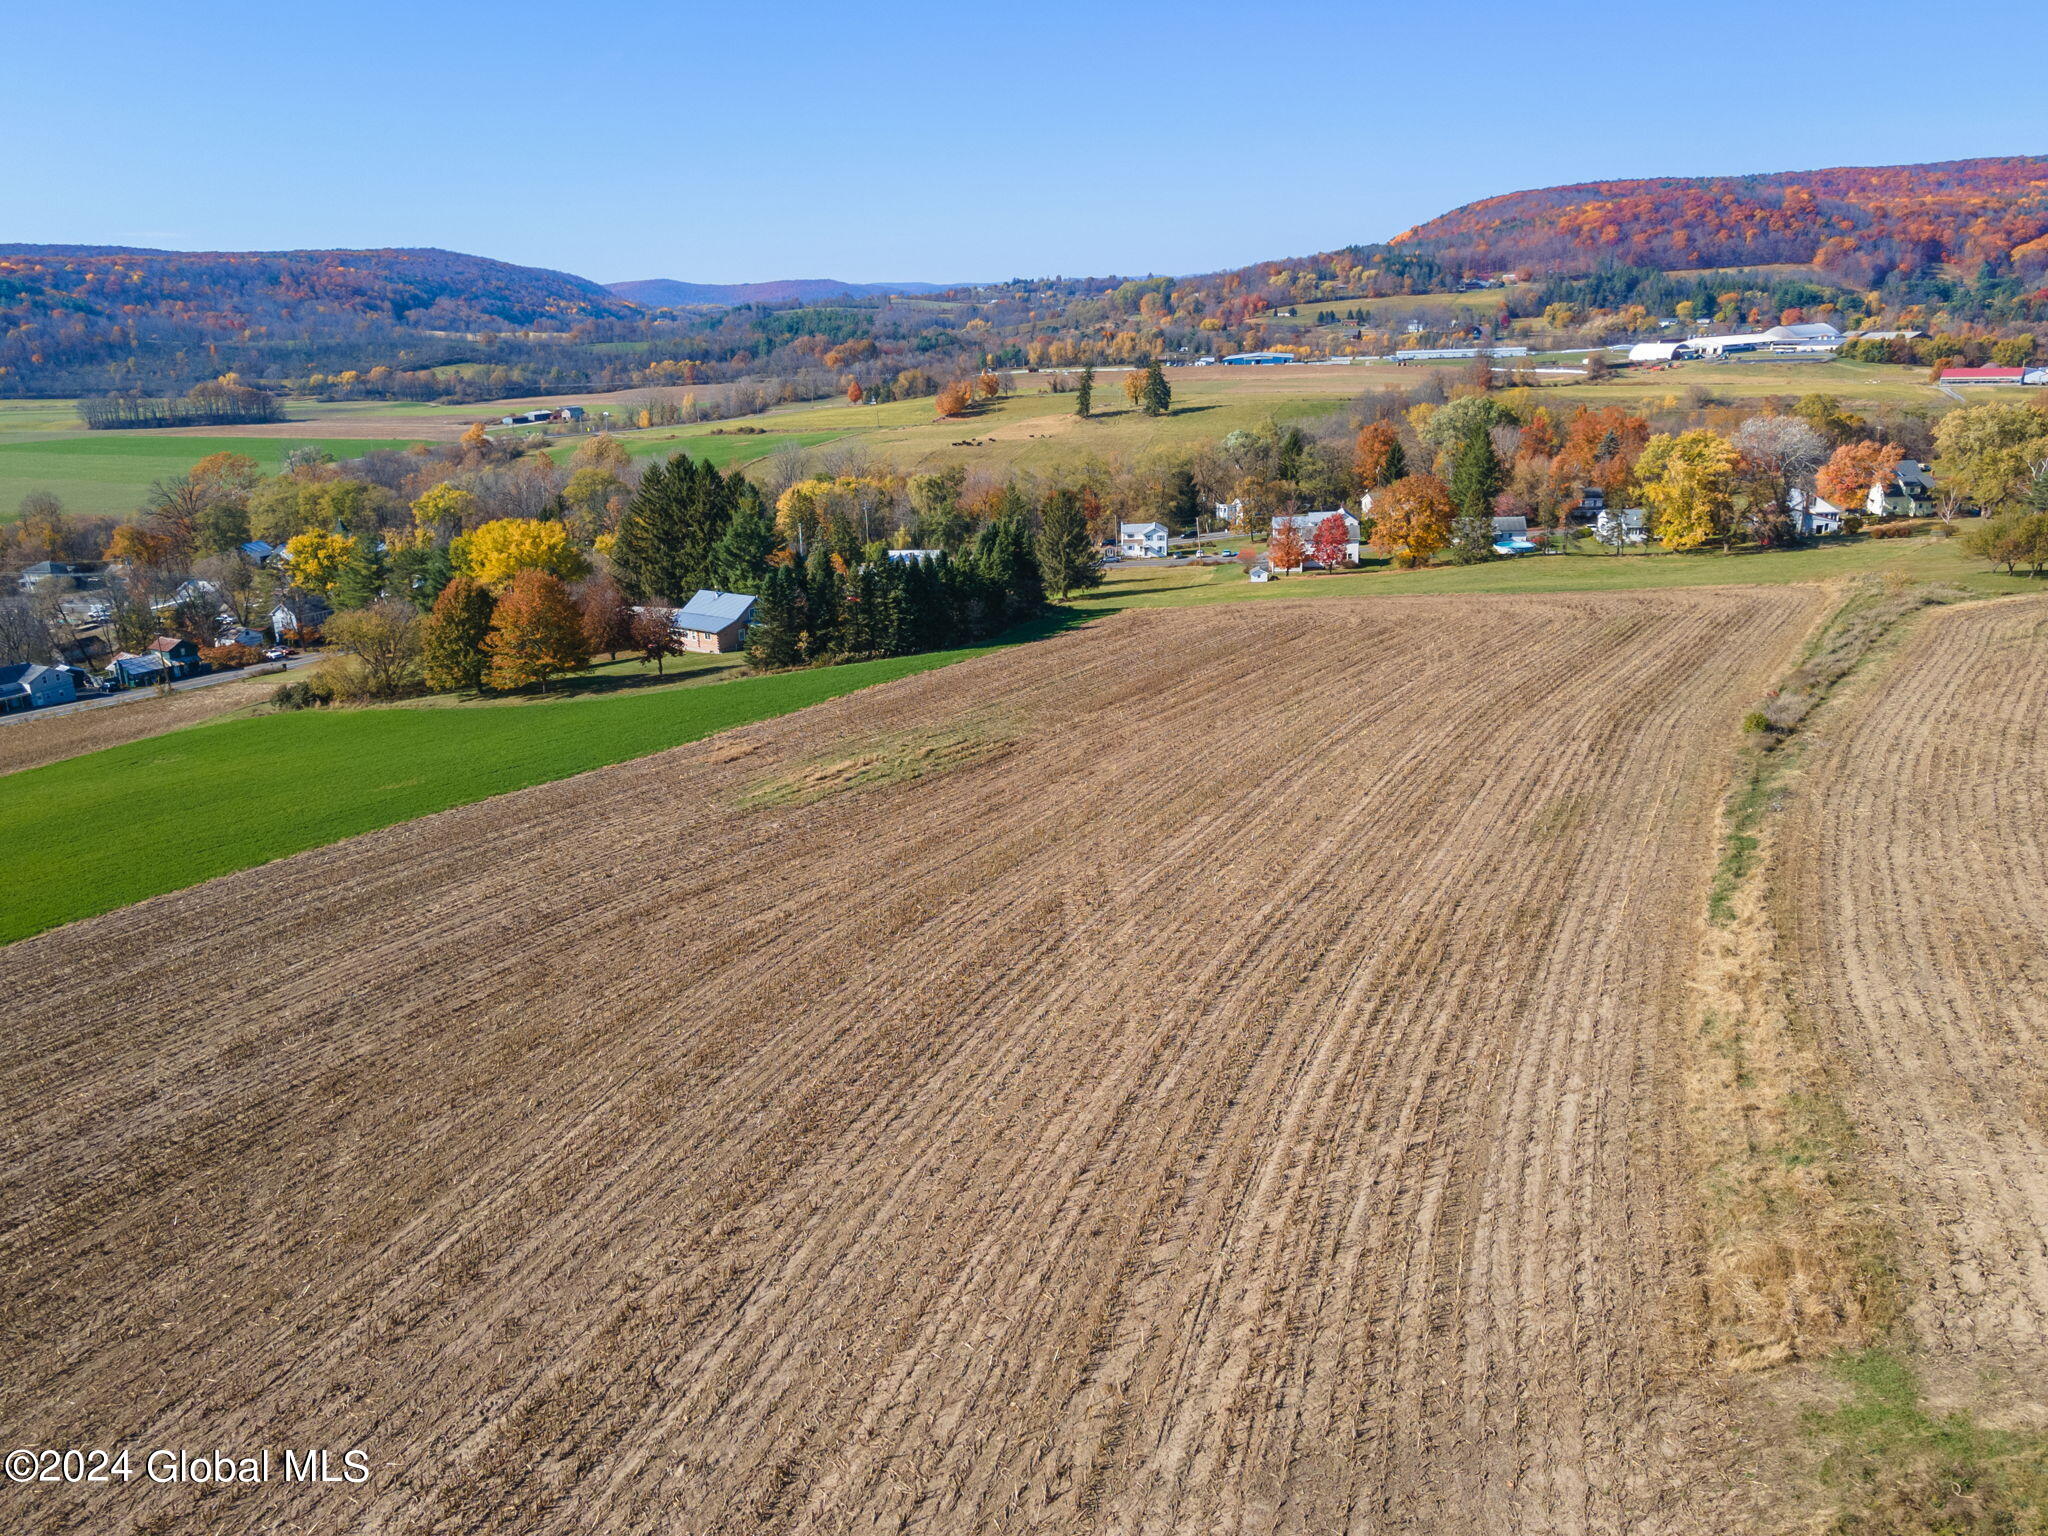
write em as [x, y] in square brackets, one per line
[1332, 543]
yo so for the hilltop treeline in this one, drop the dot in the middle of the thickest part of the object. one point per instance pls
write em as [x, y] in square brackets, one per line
[1863, 224]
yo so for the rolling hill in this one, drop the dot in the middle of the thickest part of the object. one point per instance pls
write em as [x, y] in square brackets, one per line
[659, 292]
[1861, 223]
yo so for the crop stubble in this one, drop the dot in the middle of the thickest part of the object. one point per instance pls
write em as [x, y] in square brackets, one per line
[1246, 1103]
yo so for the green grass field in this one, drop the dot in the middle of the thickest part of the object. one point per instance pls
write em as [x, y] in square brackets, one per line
[109, 828]
[1920, 559]
[111, 472]
[723, 449]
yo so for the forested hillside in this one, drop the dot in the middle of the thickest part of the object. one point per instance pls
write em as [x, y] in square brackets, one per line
[96, 317]
[655, 292]
[1860, 223]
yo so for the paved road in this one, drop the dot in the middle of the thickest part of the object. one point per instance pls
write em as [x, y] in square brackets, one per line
[129, 695]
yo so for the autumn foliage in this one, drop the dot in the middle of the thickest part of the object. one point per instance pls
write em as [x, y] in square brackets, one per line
[1857, 221]
[536, 633]
[1853, 469]
[1412, 519]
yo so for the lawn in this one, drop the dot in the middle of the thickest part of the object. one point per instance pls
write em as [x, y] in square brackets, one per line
[103, 830]
[111, 472]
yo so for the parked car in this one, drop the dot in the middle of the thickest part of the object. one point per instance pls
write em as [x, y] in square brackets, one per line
[279, 653]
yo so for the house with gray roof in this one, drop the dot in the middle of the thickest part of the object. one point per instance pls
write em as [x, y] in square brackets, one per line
[714, 620]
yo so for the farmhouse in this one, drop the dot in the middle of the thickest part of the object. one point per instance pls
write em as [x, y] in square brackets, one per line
[1138, 541]
[1305, 525]
[31, 685]
[715, 621]
[1907, 493]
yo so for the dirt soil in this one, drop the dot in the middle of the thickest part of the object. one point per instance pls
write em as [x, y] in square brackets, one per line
[1244, 1103]
[29, 741]
[1917, 892]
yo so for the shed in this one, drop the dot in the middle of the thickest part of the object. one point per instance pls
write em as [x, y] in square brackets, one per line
[714, 620]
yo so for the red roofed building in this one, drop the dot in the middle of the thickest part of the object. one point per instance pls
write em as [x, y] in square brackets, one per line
[1983, 375]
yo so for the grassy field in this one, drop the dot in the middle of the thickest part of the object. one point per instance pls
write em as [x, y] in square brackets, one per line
[724, 449]
[101, 831]
[110, 472]
[1921, 559]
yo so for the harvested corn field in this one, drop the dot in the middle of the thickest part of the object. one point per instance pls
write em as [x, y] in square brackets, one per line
[1916, 891]
[1241, 1098]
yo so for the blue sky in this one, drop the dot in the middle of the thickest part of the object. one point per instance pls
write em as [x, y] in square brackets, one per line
[742, 142]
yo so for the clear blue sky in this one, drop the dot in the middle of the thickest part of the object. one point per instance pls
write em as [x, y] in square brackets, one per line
[761, 140]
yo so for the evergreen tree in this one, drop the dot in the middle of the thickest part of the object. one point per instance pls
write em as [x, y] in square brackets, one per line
[1066, 555]
[452, 639]
[420, 572]
[1156, 398]
[1182, 511]
[775, 636]
[822, 604]
[361, 579]
[1395, 465]
[740, 558]
[1084, 397]
[1008, 565]
[669, 532]
[1477, 477]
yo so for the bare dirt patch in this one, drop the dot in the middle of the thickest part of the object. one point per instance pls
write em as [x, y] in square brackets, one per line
[1247, 1103]
[1916, 891]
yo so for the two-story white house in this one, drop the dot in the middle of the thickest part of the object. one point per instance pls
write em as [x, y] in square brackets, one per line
[1141, 541]
[1305, 525]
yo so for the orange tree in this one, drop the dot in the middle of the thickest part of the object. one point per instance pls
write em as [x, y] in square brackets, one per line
[536, 632]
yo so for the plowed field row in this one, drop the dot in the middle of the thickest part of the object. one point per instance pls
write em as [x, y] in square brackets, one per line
[1244, 1101]
[1916, 891]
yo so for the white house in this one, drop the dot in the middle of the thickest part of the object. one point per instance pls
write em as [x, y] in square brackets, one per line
[1813, 513]
[1140, 541]
[1909, 492]
[1260, 572]
[1305, 525]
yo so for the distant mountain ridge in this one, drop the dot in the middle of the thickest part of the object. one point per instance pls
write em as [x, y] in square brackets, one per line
[661, 292]
[292, 292]
[1859, 222]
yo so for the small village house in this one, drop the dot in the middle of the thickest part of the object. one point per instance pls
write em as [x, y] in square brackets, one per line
[31, 685]
[715, 621]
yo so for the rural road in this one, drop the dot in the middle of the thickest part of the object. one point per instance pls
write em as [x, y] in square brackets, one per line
[128, 695]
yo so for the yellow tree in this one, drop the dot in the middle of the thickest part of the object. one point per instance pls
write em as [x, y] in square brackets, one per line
[317, 558]
[1689, 482]
[444, 509]
[1412, 519]
[499, 550]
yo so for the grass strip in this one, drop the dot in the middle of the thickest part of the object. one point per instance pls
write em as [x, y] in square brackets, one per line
[1797, 1261]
